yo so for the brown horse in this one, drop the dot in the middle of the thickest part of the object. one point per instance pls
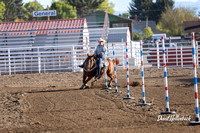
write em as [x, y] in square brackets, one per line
[90, 70]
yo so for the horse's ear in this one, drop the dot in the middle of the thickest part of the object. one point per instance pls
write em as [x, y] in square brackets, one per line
[88, 54]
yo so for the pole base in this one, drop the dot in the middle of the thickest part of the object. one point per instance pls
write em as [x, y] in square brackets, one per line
[144, 104]
[168, 112]
[128, 98]
[193, 123]
[117, 91]
[106, 88]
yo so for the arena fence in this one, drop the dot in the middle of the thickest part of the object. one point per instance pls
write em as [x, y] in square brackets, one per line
[53, 58]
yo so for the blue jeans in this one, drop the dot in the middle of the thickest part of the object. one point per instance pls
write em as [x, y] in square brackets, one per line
[99, 65]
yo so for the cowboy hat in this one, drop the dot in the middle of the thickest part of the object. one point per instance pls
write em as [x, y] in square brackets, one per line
[101, 40]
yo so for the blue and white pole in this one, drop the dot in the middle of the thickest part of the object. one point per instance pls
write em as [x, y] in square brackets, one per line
[127, 69]
[142, 73]
[115, 70]
[105, 58]
[196, 122]
[166, 82]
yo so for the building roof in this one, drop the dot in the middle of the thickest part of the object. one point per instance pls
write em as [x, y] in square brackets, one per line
[100, 15]
[112, 18]
[191, 26]
[42, 27]
[141, 25]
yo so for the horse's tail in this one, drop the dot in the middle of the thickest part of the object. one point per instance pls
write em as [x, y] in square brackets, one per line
[116, 61]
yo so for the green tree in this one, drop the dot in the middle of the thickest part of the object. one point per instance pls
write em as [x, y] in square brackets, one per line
[107, 5]
[137, 36]
[172, 20]
[84, 7]
[141, 8]
[159, 7]
[65, 11]
[148, 32]
[19, 8]
[30, 7]
[13, 9]
[126, 15]
[2, 11]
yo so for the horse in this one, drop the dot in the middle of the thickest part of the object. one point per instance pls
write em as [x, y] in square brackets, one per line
[90, 70]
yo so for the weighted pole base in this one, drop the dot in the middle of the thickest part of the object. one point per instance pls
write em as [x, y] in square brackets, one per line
[144, 104]
[193, 123]
[106, 88]
[117, 91]
[128, 98]
[168, 112]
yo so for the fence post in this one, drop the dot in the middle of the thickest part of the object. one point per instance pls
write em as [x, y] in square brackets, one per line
[24, 62]
[73, 61]
[87, 45]
[181, 56]
[131, 49]
[167, 54]
[39, 60]
[59, 63]
[14, 66]
[123, 56]
[158, 54]
[9, 63]
[197, 52]
[176, 56]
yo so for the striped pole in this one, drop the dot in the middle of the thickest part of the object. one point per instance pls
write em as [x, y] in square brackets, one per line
[142, 73]
[196, 122]
[115, 70]
[127, 69]
[105, 58]
[166, 82]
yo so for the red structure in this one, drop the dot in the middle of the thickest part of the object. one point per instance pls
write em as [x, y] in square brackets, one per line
[174, 57]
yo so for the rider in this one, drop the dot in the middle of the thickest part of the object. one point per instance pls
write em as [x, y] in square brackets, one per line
[98, 53]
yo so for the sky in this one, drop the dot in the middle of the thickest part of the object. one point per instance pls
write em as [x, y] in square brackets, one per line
[121, 6]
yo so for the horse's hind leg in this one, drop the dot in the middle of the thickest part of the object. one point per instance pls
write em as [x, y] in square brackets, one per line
[110, 82]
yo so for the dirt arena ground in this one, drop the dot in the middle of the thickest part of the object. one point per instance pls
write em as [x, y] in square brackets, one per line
[53, 103]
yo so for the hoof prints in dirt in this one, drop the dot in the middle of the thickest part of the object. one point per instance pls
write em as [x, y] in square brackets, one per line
[11, 109]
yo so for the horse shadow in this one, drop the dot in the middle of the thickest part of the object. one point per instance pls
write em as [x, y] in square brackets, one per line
[51, 91]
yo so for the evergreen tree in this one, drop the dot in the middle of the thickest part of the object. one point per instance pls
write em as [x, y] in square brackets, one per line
[159, 7]
[141, 8]
[85, 7]
[147, 9]
[19, 8]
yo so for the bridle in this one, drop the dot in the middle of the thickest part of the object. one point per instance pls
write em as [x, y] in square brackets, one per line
[95, 65]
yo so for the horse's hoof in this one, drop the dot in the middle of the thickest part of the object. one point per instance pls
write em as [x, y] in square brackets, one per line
[86, 87]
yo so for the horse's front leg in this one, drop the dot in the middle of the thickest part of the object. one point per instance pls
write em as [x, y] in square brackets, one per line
[88, 79]
[84, 78]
